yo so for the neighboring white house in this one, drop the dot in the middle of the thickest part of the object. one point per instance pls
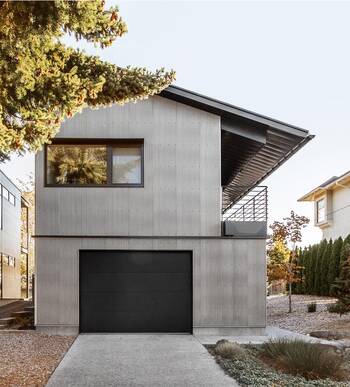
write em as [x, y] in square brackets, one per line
[332, 206]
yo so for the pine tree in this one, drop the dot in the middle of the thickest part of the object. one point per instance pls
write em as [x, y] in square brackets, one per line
[334, 264]
[318, 267]
[307, 269]
[343, 253]
[341, 287]
[43, 81]
[299, 286]
[325, 262]
[313, 260]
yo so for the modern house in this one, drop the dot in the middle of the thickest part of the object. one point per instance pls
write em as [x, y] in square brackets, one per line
[150, 217]
[12, 250]
[332, 206]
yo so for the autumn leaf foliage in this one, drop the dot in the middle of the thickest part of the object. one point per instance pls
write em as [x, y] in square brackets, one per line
[282, 250]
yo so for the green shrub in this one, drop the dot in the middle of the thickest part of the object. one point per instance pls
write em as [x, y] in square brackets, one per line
[297, 357]
[229, 350]
[312, 307]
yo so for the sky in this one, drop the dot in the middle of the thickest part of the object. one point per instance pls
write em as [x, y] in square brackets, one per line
[286, 60]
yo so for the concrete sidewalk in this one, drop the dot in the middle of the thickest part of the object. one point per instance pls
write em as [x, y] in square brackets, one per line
[271, 333]
[138, 360]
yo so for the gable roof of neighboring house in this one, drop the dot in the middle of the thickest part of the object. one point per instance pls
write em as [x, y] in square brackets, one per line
[335, 181]
[252, 145]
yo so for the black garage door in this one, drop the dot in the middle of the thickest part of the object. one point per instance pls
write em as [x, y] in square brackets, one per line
[135, 291]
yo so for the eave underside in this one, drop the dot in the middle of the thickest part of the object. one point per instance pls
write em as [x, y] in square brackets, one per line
[246, 163]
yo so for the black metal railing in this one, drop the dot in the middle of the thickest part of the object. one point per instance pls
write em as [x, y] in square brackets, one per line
[251, 208]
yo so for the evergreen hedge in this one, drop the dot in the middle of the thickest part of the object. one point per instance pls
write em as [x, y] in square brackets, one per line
[321, 266]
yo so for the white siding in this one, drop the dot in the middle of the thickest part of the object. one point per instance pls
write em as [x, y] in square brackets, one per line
[340, 219]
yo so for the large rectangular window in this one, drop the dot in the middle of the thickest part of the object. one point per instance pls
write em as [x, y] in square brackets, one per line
[113, 163]
[321, 210]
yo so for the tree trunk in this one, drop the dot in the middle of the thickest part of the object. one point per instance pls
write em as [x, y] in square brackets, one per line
[290, 297]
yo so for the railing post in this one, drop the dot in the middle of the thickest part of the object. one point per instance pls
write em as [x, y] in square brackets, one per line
[266, 210]
[254, 209]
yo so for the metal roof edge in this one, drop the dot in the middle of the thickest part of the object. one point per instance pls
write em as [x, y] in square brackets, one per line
[212, 103]
[11, 181]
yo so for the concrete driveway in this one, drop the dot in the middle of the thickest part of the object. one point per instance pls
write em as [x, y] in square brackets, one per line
[138, 360]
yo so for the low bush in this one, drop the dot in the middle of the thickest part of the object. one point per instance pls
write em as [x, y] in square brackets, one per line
[312, 307]
[297, 357]
[229, 350]
[339, 308]
[251, 371]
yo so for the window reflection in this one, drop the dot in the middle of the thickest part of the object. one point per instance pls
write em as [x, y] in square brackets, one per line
[127, 165]
[76, 164]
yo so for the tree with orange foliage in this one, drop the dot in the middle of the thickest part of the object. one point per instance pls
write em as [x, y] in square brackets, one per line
[282, 251]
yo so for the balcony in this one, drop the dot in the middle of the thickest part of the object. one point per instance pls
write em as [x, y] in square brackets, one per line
[247, 218]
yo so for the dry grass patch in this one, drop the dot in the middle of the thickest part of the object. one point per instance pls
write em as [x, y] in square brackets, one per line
[229, 350]
[296, 357]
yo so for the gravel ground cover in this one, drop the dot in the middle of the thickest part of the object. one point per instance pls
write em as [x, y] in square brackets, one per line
[250, 371]
[29, 358]
[300, 320]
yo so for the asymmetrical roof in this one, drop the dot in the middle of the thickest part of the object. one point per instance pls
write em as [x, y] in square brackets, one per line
[335, 181]
[252, 145]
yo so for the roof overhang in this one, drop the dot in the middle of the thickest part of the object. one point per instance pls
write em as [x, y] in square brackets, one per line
[335, 182]
[252, 145]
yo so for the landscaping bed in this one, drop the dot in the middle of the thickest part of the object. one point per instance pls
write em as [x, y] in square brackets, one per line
[249, 366]
[28, 358]
[300, 320]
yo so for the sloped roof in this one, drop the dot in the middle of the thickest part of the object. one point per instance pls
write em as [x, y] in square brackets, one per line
[334, 181]
[252, 145]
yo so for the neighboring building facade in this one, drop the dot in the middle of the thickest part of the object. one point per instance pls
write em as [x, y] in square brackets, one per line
[332, 206]
[10, 238]
[130, 204]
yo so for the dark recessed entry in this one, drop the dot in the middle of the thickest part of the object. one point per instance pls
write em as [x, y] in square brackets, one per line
[135, 291]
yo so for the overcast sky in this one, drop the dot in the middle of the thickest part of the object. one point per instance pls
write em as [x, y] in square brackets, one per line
[287, 60]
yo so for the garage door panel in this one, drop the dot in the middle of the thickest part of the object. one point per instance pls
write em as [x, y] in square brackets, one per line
[112, 282]
[128, 302]
[136, 261]
[123, 291]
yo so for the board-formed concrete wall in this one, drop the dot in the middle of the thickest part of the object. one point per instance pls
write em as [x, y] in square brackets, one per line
[182, 175]
[228, 281]
[179, 208]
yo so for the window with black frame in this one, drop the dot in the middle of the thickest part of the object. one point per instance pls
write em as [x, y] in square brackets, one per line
[103, 164]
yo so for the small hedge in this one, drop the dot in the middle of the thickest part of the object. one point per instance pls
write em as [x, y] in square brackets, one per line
[312, 307]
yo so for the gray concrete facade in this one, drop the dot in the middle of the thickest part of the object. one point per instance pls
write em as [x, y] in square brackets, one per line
[228, 281]
[179, 208]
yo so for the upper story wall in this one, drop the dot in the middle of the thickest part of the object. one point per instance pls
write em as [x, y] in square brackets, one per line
[182, 175]
[339, 210]
[10, 232]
